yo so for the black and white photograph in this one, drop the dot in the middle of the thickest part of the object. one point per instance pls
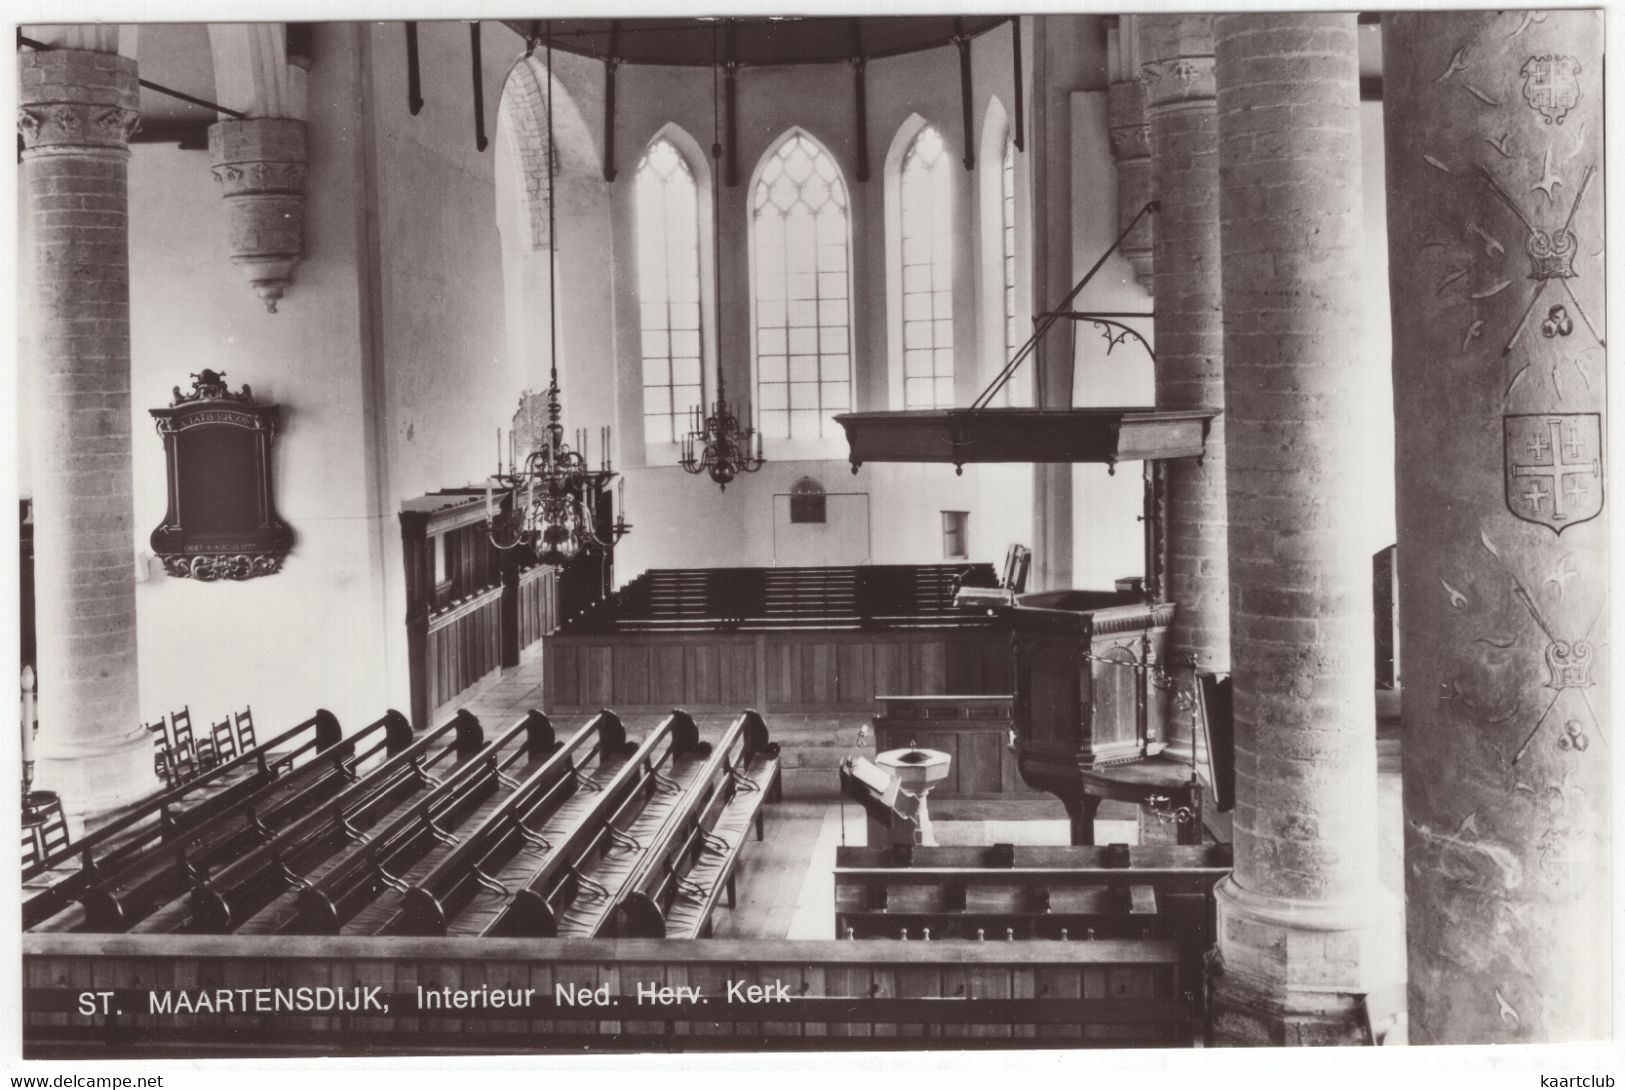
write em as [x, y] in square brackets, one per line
[812, 532]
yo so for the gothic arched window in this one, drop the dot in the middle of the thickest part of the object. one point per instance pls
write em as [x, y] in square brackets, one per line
[925, 206]
[668, 248]
[1007, 223]
[801, 291]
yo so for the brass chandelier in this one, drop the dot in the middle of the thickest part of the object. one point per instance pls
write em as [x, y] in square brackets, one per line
[719, 444]
[548, 502]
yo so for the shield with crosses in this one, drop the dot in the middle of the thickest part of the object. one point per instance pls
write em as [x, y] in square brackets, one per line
[1554, 467]
[1551, 85]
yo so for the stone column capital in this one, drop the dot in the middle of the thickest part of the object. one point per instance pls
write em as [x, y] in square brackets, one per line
[1177, 80]
[72, 99]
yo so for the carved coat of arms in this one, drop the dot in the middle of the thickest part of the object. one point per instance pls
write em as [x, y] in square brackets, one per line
[1554, 467]
[1551, 85]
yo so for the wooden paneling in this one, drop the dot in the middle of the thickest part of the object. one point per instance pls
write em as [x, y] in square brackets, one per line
[538, 614]
[876, 993]
[464, 644]
[771, 671]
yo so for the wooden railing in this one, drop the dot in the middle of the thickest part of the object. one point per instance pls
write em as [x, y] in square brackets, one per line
[573, 994]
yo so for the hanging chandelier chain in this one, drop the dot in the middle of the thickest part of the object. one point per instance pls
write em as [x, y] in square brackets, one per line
[551, 499]
[552, 223]
[716, 207]
[717, 444]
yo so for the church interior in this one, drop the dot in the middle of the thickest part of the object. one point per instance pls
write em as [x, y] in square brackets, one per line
[1000, 531]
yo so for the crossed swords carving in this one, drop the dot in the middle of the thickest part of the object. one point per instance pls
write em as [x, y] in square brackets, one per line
[1551, 252]
[1556, 683]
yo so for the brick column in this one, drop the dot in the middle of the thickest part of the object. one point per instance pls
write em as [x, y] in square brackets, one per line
[1295, 914]
[77, 110]
[1494, 143]
[1176, 70]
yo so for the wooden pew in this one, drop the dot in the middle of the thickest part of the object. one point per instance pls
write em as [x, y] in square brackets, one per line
[164, 872]
[514, 828]
[227, 899]
[725, 599]
[1005, 891]
[361, 882]
[563, 877]
[682, 875]
[176, 813]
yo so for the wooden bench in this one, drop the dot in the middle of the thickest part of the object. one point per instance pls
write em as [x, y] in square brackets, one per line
[521, 824]
[363, 886]
[229, 898]
[728, 599]
[564, 876]
[683, 874]
[172, 816]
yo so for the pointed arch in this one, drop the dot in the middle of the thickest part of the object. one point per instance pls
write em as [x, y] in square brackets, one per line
[919, 182]
[1003, 266]
[522, 116]
[800, 213]
[668, 238]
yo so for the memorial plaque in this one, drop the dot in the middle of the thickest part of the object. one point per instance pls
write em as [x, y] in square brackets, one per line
[221, 522]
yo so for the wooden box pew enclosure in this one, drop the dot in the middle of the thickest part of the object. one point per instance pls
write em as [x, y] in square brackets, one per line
[776, 639]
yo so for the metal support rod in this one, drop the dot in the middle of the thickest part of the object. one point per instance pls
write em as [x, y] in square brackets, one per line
[480, 141]
[611, 63]
[41, 47]
[860, 92]
[731, 92]
[1051, 317]
[1020, 93]
[1090, 315]
[968, 126]
[414, 84]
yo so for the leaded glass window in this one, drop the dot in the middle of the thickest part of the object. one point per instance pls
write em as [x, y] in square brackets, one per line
[802, 292]
[928, 273]
[668, 247]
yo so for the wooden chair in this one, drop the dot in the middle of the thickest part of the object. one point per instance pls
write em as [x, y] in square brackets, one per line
[32, 850]
[160, 750]
[245, 730]
[45, 827]
[222, 745]
[54, 832]
[185, 754]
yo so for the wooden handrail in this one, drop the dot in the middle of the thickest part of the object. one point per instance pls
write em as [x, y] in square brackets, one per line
[520, 950]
